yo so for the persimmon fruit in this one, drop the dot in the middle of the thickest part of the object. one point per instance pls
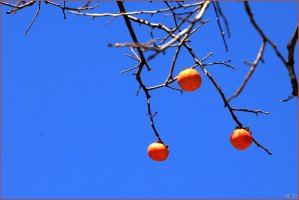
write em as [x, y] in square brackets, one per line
[157, 151]
[189, 79]
[241, 139]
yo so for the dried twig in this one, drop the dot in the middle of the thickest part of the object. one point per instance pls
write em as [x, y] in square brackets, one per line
[70, 8]
[223, 17]
[34, 18]
[261, 146]
[252, 69]
[197, 63]
[221, 63]
[289, 66]
[173, 13]
[151, 12]
[220, 27]
[170, 75]
[138, 74]
[130, 69]
[226, 103]
[177, 40]
[252, 111]
[17, 7]
[184, 32]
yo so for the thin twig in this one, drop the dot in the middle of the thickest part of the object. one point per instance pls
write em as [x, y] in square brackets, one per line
[63, 10]
[170, 33]
[261, 146]
[130, 69]
[137, 93]
[140, 68]
[223, 17]
[173, 13]
[287, 99]
[130, 56]
[252, 69]
[133, 35]
[172, 65]
[185, 32]
[180, 90]
[206, 57]
[17, 7]
[34, 18]
[252, 111]
[151, 12]
[142, 46]
[220, 27]
[289, 66]
[200, 25]
[69, 8]
[221, 63]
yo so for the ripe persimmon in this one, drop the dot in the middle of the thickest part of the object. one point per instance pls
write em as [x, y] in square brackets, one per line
[240, 139]
[189, 79]
[157, 151]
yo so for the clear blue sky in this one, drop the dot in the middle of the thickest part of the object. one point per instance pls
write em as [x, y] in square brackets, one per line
[73, 127]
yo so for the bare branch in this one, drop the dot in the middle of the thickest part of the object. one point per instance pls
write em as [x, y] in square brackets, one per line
[130, 56]
[173, 13]
[170, 75]
[34, 18]
[137, 93]
[175, 38]
[130, 69]
[200, 25]
[220, 27]
[289, 66]
[261, 146]
[252, 69]
[17, 7]
[223, 17]
[138, 74]
[69, 8]
[185, 32]
[206, 57]
[63, 10]
[287, 99]
[151, 12]
[252, 111]
[133, 35]
[180, 90]
[221, 63]
[290, 63]
[142, 46]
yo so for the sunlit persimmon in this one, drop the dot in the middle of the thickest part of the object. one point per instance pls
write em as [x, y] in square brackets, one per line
[241, 139]
[157, 151]
[189, 79]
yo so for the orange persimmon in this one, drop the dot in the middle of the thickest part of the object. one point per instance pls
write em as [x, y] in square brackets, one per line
[189, 79]
[240, 139]
[157, 151]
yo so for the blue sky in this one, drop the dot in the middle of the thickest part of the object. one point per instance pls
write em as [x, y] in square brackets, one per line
[72, 126]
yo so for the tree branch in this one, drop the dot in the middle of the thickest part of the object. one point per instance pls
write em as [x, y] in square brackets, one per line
[252, 111]
[138, 74]
[17, 7]
[289, 66]
[34, 18]
[220, 27]
[290, 63]
[185, 32]
[252, 69]
[223, 17]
